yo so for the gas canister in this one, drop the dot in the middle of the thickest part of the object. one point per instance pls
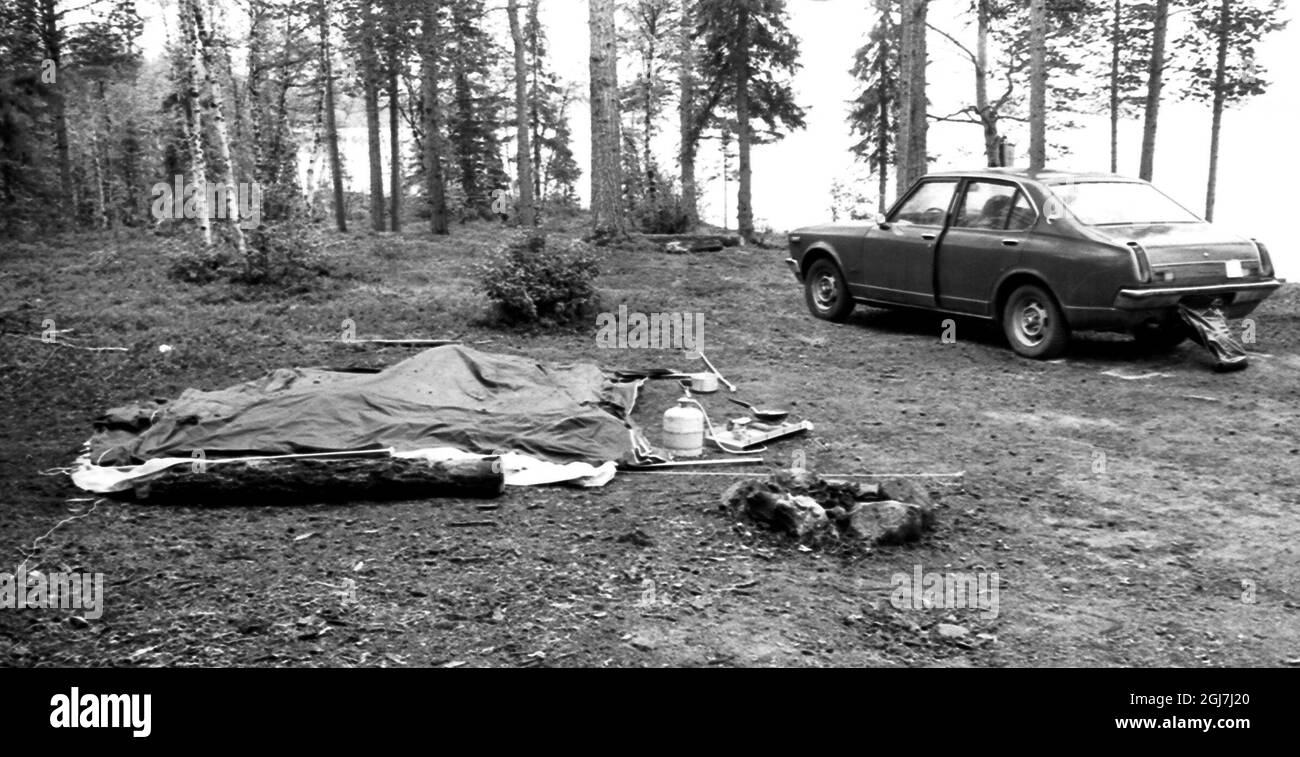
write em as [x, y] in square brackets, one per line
[684, 430]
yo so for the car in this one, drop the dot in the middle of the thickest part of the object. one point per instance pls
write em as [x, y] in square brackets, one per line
[1044, 254]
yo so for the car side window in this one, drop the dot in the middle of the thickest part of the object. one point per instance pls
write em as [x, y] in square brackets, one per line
[987, 205]
[928, 206]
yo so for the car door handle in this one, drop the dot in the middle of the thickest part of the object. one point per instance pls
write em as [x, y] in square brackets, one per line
[929, 237]
[1010, 242]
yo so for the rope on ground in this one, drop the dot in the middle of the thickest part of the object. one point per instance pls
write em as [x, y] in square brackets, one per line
[30, 551]
[69, 345]
[824, 476]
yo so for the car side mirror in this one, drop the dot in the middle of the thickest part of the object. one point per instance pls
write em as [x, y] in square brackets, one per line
[880, 220]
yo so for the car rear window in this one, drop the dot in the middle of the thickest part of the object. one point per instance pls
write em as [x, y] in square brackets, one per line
[1119, 203]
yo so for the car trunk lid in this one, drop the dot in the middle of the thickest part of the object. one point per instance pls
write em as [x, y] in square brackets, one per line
[1191, 253]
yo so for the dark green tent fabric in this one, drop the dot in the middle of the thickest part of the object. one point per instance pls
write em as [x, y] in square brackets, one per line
[446, 397]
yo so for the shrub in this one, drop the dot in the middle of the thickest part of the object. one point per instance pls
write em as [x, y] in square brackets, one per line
[662, 211]
[197, 263]
[531, 280]
[284, 254]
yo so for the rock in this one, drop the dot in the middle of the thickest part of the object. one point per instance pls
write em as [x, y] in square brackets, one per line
[642, 642]
[886, 523]
[677, 248]
[637, 538]
[798, 503]
[949, 631]
[799, 516]
[905, 490]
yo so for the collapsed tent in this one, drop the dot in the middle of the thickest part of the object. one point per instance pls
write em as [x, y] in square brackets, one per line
[1210, 329]
[557, 423]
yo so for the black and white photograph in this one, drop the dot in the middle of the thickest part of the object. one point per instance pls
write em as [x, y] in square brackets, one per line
[628, 334]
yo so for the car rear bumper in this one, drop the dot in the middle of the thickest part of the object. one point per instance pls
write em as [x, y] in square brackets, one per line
[1233, 295]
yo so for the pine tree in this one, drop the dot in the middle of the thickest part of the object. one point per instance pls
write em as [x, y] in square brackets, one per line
[875, 111]
[1220, 46]
[751, 56]
[475, 120]
[555, 170]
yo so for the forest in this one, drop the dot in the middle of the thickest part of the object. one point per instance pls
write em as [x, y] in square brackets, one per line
[246, 99]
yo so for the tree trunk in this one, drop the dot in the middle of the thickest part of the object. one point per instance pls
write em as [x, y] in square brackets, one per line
[215, 107]
[651, 184]
[606, 150]
[988, 119]
[52, 37]
[913, 128]
[198, 160]
[686, 114]
[1220, 100]
[882, 146]
[540, 184]
[370, 87]
[256, 110]
[1155, 86]
[434, 175]
[395, 148]
[277, 483]
[1038, 86]
[1115, 52]
[744, 196]
[527, 208]
[396, 186]
[331, 124]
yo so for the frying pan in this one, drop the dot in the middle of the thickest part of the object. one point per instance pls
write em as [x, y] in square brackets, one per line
[763, 414]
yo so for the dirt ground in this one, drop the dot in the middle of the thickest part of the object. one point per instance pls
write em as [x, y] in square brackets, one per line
[1130, 523]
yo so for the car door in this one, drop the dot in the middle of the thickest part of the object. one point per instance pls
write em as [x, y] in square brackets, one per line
[899, 255]
[989, 230]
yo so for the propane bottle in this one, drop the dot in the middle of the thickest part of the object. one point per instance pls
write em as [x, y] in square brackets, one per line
[684, 430]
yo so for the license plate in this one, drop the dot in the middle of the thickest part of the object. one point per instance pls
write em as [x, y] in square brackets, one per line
[1235, 269]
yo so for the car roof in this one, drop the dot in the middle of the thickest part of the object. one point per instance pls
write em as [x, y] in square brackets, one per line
[1044, 177]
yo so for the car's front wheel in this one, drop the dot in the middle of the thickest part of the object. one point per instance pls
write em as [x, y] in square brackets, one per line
[827, 292]
[1034, 324]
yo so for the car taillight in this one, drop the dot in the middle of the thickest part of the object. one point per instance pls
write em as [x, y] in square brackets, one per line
[1141, 263]
[1265, 260]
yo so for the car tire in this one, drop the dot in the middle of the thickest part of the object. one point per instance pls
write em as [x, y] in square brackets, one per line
[1034, 324]
[1163, 336]
[827, 292]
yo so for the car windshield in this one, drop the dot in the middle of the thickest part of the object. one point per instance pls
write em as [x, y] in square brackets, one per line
[1115, 203]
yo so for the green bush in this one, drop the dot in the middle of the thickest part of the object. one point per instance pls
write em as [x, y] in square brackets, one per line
[197, 263]
[662, 212]
[284, 254]
[530, 280]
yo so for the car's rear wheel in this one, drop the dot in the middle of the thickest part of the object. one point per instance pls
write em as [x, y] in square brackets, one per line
[1034, 324]
[1162, 336]
[827, 292]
